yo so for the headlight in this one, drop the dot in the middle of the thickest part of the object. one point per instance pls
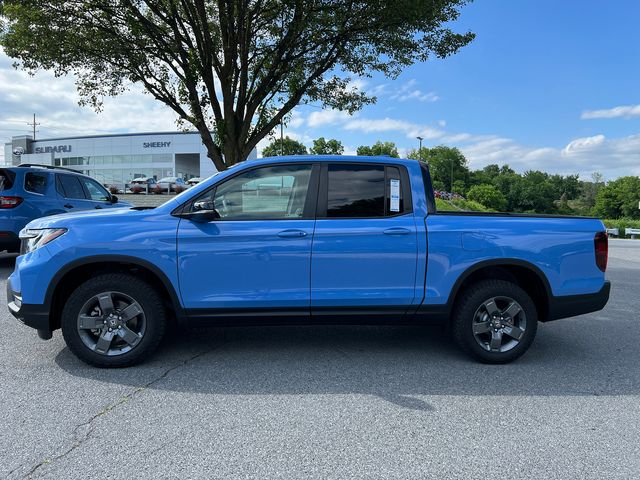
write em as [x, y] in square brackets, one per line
[32, 238]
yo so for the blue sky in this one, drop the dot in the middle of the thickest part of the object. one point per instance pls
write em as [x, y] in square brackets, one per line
[549, 85]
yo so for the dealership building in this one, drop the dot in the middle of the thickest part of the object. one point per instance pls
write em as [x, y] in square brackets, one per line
[117, 159]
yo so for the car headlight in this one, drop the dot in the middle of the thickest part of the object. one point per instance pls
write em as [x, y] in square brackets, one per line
[34, 238]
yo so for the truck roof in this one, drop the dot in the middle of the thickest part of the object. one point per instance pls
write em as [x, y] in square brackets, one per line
[332, 158]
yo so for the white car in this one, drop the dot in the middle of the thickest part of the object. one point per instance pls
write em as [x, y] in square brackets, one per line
[170, 183]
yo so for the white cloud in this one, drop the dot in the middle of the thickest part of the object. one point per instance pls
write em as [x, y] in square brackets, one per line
[296, 120]
[326, 117]
[612, 157]
[409, 92]
[625, 111]
[583, 144]
[411, 130]
[55, 102]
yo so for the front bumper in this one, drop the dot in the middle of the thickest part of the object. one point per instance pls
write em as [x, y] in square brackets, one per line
[573, 305]
[34, 316]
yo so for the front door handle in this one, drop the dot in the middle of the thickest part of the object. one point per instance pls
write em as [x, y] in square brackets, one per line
[68, 205]
[397, 231]
[97, 206]
[292, 234]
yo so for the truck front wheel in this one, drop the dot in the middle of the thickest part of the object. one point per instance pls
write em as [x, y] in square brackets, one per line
[495, 321]
[113, 320]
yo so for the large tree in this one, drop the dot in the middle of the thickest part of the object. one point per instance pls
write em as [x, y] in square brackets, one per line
[379, 149]
[321, 146]
[619, 198]
[233, 69]
[286, 146]
[446, 164]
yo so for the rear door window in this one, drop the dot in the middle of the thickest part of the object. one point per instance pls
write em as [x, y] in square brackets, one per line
[69, 187]
[36, 182]
[367, 191]
[355, 191]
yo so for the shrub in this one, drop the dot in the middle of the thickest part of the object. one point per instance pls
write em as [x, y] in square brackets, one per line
[621, 224]
[487, 195]
[179, 189]
[113, 189]
[157, 189]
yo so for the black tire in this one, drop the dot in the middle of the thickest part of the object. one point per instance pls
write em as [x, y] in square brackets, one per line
[153, 315]
[470, 309]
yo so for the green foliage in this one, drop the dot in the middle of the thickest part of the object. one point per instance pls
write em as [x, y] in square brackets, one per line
[288, 146]
[619, 198]
[488, 195]
[470, 205]
[444, 206]
[589, 192]
[233, 70]
[379, 149]
[446, 164]
[326, 147]
[621, 224]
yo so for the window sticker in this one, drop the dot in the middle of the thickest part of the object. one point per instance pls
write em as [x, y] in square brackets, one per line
[394, 187]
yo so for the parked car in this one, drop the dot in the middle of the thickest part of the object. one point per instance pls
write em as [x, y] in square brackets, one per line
[28, 192]
[143, 184]
[349, 239]
[170, 183]
[194, 181]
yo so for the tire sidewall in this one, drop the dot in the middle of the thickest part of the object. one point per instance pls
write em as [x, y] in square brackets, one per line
[465, 311]
[137, 289]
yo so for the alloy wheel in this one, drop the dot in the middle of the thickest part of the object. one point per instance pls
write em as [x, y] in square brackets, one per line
[111, 323]
[499, 324]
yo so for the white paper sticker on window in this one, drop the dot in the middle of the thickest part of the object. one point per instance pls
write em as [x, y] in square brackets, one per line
[394, 187]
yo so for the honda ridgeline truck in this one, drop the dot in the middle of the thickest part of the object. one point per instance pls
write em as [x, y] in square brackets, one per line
[309, 239]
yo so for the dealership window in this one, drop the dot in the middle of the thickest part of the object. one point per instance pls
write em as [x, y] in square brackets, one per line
[36, 182]
[355, 191]
[276, 193]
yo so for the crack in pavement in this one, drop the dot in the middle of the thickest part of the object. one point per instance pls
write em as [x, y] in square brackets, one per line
[89, 426]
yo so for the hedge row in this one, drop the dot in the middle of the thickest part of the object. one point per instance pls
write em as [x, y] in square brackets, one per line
[621, 224]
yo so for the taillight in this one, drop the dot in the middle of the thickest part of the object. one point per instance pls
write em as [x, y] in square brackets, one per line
[10, 202]
[601, 242]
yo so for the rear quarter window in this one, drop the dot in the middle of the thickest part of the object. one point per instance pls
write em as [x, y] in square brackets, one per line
[7, 177]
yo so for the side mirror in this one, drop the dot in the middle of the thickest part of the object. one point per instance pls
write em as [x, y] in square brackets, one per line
[203, 211]
[114, 199]
[203, 205]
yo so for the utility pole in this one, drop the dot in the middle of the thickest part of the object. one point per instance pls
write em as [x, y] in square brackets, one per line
[34, 125]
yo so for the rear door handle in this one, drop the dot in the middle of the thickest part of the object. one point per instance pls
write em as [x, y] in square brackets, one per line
[97, 206]
[292, 234]
[397, 231]
[68, 205]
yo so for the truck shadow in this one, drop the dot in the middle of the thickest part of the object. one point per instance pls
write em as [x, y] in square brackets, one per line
[397, 364]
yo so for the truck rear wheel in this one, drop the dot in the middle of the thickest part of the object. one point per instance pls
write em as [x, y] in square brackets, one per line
[495, 321]
[113, 320]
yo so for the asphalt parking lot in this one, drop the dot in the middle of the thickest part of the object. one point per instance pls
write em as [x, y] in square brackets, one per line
[332, 402]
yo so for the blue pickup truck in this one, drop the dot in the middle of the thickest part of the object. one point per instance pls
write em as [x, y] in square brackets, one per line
[309, 239]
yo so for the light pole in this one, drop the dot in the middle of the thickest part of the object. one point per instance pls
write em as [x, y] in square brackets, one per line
[452, 175]
[282, 136]
[420, 147]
